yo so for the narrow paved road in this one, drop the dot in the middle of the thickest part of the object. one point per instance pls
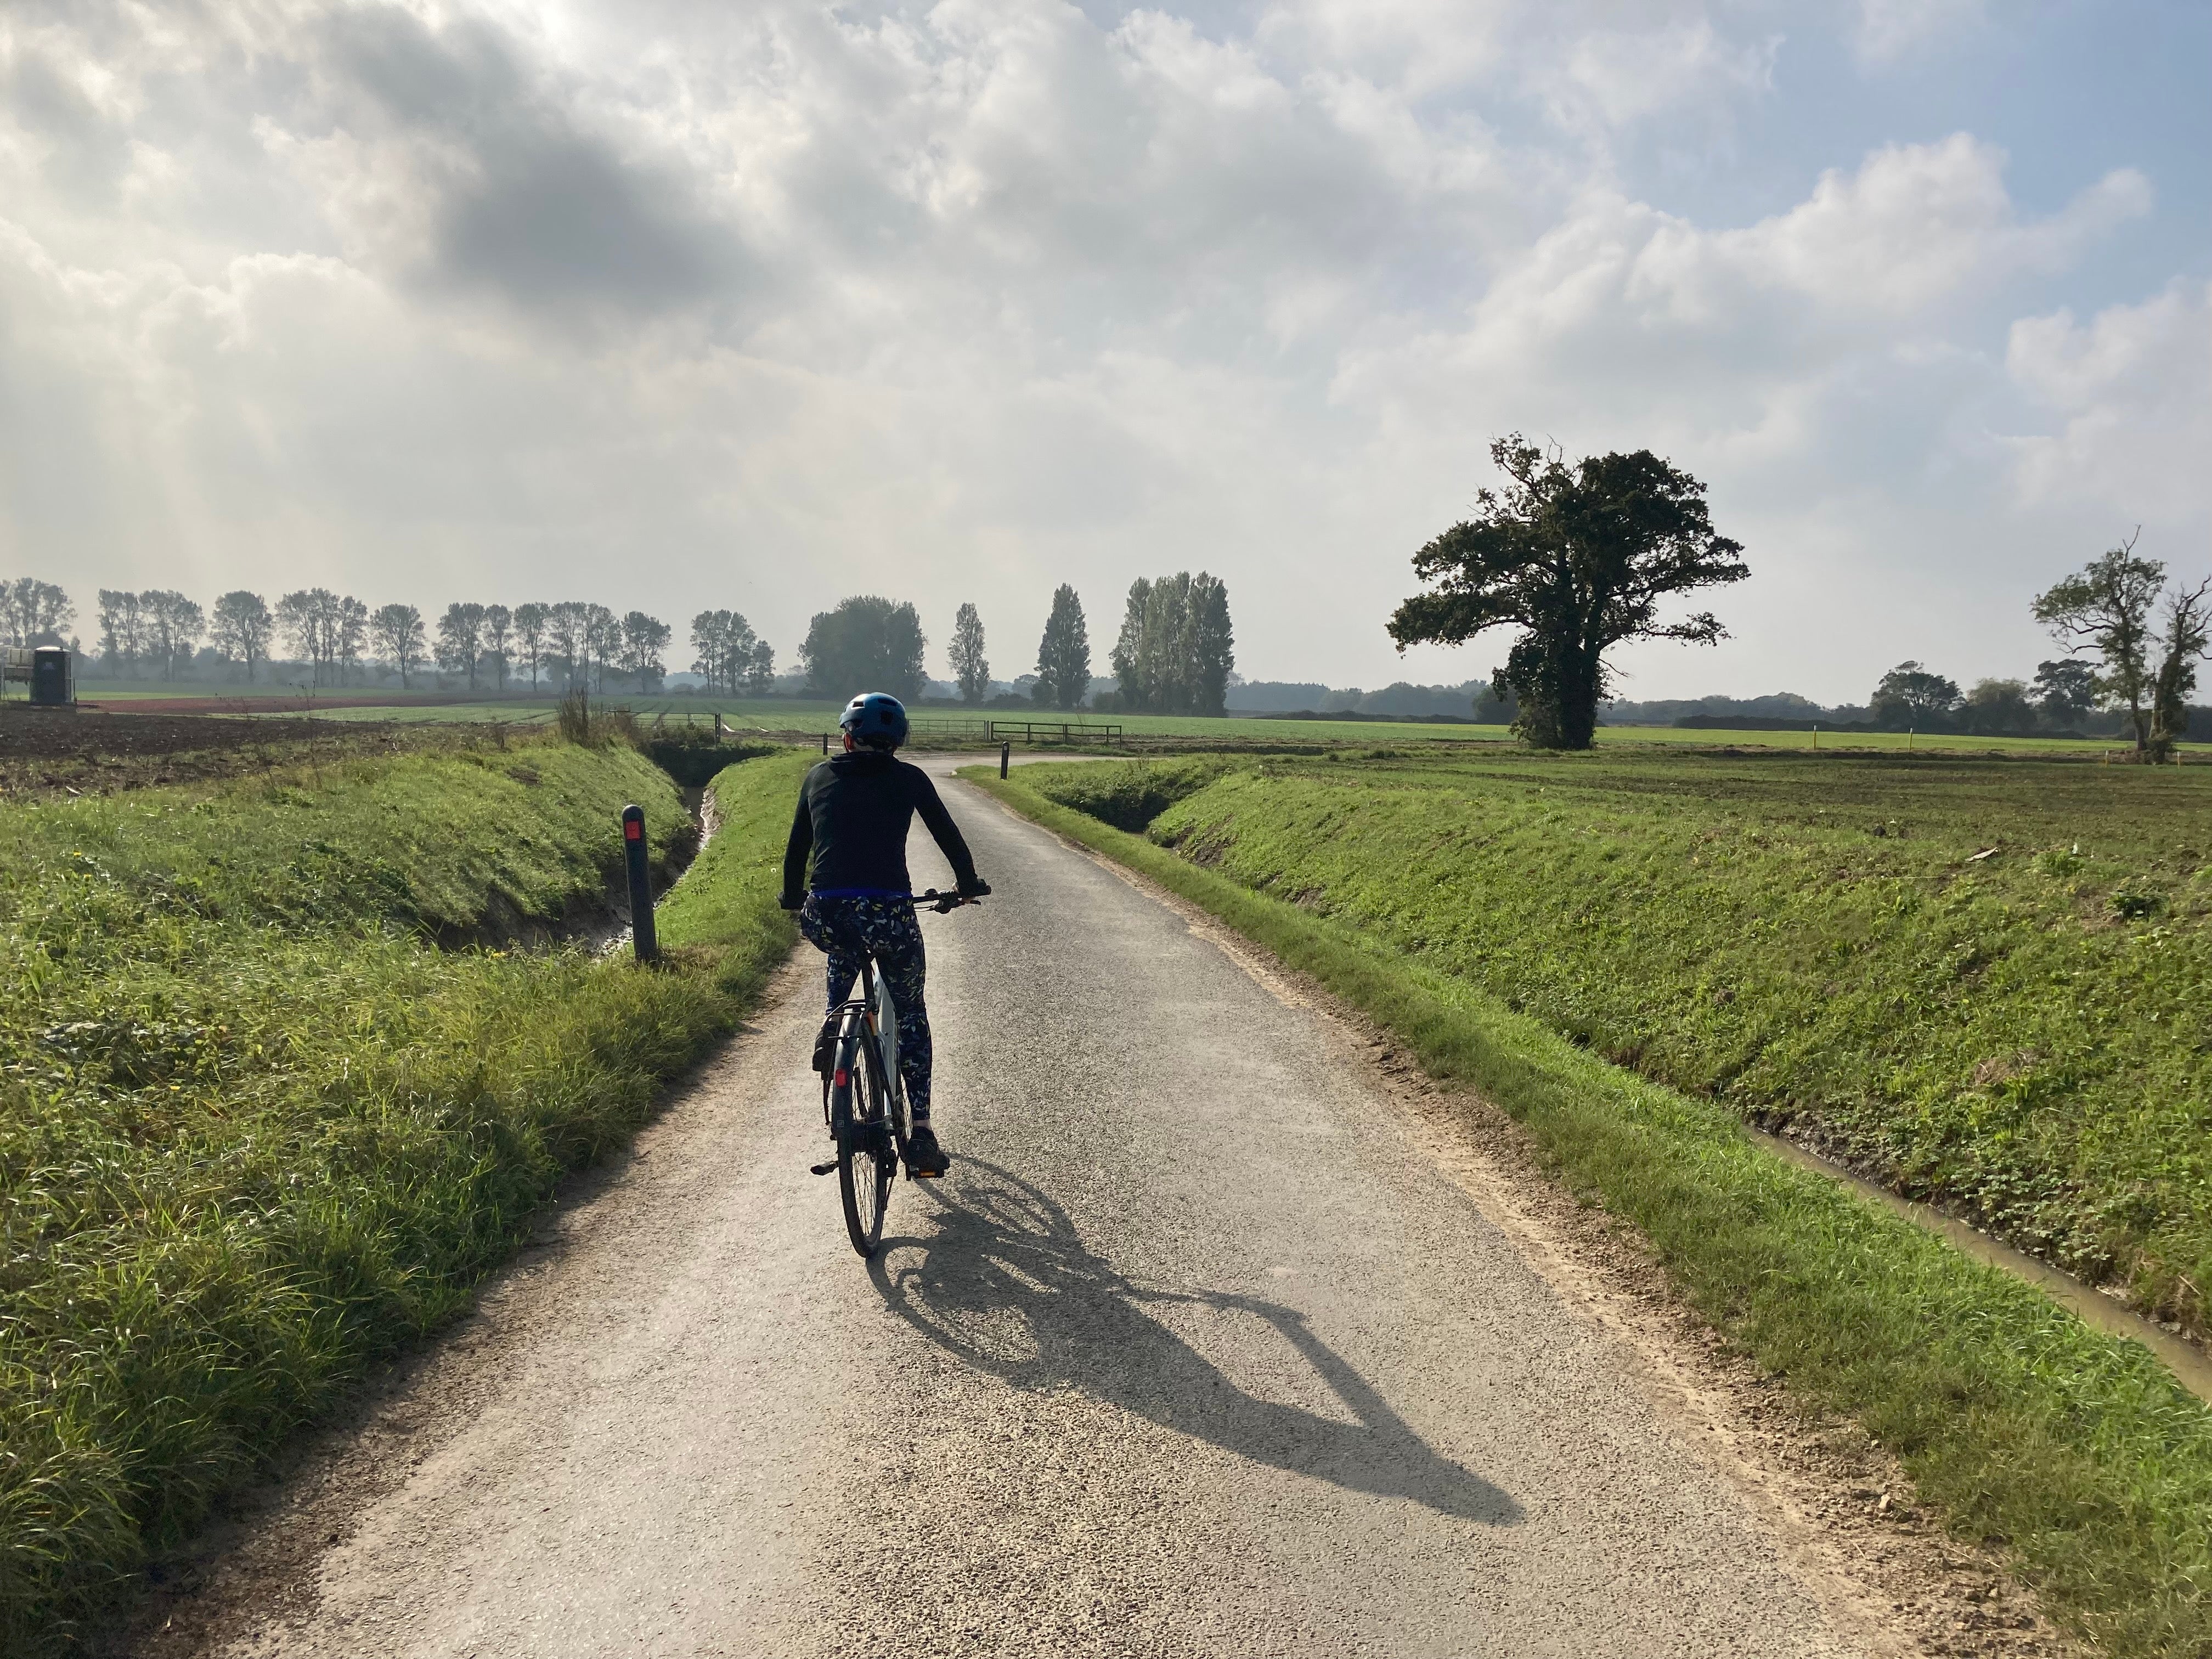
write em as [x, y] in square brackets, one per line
[1194, 1353]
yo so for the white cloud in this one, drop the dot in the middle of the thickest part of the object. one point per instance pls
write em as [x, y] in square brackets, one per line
[1725, 331]
[1892, 30]
[757, 306]
[1614, 79]
[1916, 226]
[2133, 389]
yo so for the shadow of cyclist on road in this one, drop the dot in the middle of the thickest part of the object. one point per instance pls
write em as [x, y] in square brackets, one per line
[1007, 1285]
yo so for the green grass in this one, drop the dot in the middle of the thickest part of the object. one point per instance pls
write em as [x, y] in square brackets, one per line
[2078, 1454]
[792, 715]
[1363, 733]
[1987, 982]
[256, 1126]
[742, 714]
[781, 715]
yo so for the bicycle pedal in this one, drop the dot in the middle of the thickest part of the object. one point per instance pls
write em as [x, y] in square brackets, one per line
[913, 1173]
[830, 1168]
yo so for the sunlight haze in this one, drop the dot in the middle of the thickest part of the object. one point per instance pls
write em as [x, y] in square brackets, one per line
[679, 306]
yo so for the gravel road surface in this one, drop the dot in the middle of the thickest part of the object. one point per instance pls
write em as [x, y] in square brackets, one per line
[1197, 1351]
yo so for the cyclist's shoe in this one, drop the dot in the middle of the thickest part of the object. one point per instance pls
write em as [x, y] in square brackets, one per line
[924, 1158]
[825, 1047]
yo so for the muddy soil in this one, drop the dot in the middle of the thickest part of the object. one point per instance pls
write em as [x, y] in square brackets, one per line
[92, 751]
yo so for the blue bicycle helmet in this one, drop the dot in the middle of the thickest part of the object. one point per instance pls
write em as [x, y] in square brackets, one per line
[876, 719]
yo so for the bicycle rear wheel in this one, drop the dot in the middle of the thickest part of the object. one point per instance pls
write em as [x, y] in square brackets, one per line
[866, 1159]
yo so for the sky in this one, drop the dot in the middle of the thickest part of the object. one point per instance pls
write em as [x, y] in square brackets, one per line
[675, 306]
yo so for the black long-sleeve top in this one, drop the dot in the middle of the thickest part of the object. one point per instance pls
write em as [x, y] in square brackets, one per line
[854, 812]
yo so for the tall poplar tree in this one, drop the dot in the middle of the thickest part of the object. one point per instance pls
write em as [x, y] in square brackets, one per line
[969, 666]
[1064, 653]
[1176, 649]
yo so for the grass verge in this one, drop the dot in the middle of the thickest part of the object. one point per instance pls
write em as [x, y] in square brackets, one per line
[2077, 1453]
[256, 1126]
[1985, 983]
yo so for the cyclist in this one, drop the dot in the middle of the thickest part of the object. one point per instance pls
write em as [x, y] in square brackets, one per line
[854, 812]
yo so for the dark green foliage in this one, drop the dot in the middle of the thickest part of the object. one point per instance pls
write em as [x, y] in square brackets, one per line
[2079, 1453]
[256, 1128]
[866, 644]
[2065, 691]
[731, 656]
[2181, 647]
[1177, 647]
[1909, 698]
[970, 667]
[1064, 653]
[1997, 709]
[1579, 559]
[2106, 607]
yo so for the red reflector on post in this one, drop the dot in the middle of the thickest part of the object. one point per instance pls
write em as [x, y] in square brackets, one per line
[633, 829]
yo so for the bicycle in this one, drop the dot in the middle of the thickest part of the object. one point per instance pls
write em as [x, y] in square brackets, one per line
[863, 1098]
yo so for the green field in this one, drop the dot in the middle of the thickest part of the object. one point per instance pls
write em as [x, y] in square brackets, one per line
[743, 715]
[738, 713]
[274, 1095]
[778, 714]
[1423, 893]
[1987, 982]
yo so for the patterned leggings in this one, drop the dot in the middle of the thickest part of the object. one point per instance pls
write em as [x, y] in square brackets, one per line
[851, 929]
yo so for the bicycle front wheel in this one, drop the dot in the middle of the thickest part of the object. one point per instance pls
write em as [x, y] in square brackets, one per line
[865, 1159]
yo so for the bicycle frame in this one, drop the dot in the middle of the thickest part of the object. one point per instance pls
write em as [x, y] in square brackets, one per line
[874, 1016]
[885, 1018]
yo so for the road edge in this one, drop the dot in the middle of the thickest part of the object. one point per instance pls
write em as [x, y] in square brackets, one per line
[1598, 1136]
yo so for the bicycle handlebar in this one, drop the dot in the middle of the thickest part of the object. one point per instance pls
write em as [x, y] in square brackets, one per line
[944, 903]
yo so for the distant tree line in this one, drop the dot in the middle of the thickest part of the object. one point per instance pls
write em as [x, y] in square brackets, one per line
[1913, 697]
[1175, 654]
[1475, 701]
[33, 612]
[337, 640]
[2135, 644]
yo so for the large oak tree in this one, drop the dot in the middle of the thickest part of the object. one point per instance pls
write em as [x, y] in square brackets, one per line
[1579, 558]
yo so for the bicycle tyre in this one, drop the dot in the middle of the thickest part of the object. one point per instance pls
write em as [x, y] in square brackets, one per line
[865, 1163]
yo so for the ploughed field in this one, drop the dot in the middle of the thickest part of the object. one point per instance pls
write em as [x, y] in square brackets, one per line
[275, 1088]
[84, 751]
[1987, 982]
